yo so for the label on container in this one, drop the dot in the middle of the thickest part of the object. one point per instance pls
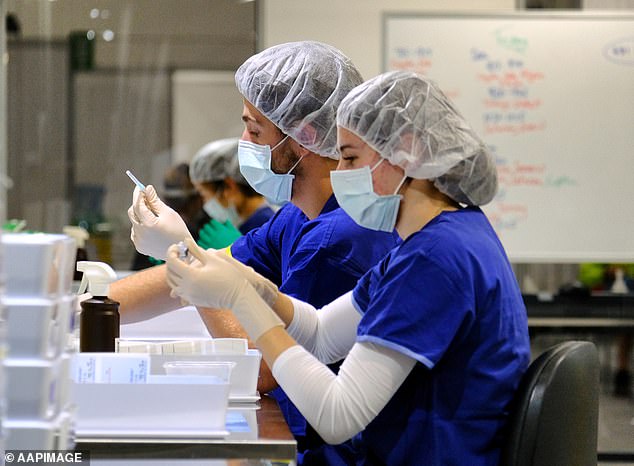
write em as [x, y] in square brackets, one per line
[110, 368]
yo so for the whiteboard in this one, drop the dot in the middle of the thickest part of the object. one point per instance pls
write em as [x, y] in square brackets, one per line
[553, 96]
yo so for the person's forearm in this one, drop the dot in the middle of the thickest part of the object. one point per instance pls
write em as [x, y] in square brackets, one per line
[143, 295]
[224, 324]
[340, 406]
[283, 307]
[273, 343]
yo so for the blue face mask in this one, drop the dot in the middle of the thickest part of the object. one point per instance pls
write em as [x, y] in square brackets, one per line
[255, 166]
[221, 214]
[355, 194]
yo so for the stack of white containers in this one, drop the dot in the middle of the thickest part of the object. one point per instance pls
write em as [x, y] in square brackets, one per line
[3, 348]
[40, 319]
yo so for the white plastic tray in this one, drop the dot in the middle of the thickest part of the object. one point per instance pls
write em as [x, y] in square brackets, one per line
[151, 410]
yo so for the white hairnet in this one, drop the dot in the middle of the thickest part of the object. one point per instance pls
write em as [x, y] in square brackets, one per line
[411, 123]
[216, 161]
[299, 86]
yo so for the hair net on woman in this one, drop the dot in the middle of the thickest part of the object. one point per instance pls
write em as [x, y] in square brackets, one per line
[411, 123]
[216, 161]
[299, 86]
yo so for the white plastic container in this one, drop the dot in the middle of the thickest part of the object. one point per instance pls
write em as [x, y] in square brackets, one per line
[56, 434]
[68, 313]
[244, 376]
[67, 257]
[163, 407]
[225, 346]
[133, 346]
[220, 370]
[64, 385]
[33, 328]
[32, 389]
[37, 265]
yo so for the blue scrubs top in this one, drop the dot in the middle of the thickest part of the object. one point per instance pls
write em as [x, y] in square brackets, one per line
[257, 219]
[447, 297]
[315, 261]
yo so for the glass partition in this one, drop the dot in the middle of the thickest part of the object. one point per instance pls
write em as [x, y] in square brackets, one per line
[91, 94]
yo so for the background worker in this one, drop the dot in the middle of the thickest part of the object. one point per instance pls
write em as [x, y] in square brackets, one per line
[227, 197]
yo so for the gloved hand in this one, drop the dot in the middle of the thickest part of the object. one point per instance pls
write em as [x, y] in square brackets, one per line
[211, 281]
[217, 235]
[155, 226]
[265, 288]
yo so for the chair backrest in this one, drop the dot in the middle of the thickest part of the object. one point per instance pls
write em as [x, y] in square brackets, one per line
[554, 416]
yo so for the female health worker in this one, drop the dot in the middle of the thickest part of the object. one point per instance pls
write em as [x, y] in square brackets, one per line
[435, 336]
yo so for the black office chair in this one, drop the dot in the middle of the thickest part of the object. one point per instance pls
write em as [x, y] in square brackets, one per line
[554, 416]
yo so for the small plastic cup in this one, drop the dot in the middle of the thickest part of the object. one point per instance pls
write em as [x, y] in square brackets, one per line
[220, 370]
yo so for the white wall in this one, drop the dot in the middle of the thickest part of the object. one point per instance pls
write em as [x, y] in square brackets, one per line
[206, 105]
[353, 26]
[608, 4]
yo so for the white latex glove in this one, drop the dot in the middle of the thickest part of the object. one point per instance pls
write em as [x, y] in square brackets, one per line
[266, 288]
[212, 281]
[155, 226]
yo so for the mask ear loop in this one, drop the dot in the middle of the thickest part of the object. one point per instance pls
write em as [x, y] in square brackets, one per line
[402, 180]
[296, 163]
[377, 164]
[279, 143]
[398, 188]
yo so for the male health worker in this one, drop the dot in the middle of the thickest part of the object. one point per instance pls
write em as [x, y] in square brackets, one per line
[310, 248]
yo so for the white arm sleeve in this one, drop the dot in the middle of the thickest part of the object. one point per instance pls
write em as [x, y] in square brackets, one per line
[328, 333]
[340, 406]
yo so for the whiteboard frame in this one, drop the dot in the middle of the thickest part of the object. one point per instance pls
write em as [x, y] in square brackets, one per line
[570, 257]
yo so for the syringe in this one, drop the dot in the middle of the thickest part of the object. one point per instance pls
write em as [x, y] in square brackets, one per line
[140, 185]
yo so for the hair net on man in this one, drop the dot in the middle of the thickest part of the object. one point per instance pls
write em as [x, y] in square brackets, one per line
[411, 123]
[299, 86]
[216, 161]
